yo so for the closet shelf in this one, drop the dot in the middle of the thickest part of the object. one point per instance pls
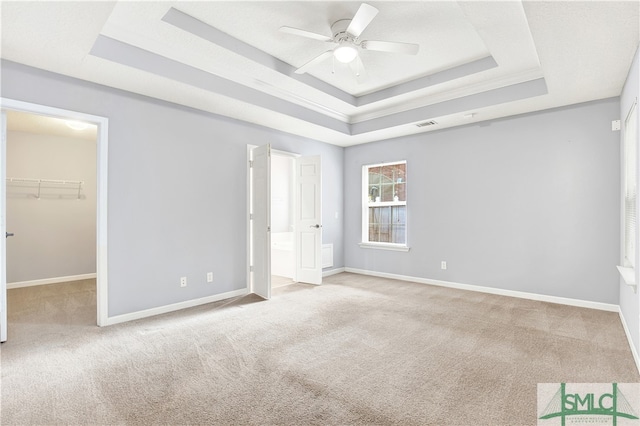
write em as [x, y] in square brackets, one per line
[48, 183]
[60, 182]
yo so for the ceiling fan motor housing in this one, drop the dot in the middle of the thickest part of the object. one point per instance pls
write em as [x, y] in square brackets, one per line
[339, 31]
[346, 40]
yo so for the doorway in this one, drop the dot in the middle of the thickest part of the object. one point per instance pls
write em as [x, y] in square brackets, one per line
[51, 200]
[282, 224]
[284, 231]
[36, 188]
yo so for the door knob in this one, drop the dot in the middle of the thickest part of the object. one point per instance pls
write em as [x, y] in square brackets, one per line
[8, 234]
[315, 226]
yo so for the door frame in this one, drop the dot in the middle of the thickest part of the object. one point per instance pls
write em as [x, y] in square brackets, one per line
[248, 210]
[102, 151]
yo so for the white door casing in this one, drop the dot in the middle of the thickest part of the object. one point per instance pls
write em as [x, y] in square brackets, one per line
[261, 221]
[308, 220]
[101, 209]
[3, 230]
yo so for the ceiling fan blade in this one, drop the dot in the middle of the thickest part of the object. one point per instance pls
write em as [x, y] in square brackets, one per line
[358, 70]
[390, 46]
[304, 33]
[362, 18]
[321, 57]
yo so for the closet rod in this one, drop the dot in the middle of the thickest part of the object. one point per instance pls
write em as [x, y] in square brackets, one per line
[61, 182]
[75, 183]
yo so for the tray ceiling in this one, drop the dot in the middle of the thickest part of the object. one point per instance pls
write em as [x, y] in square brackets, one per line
[477, 60]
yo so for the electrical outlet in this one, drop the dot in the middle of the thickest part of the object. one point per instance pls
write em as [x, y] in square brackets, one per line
[443, 265]
[183, 281]
[209, 277]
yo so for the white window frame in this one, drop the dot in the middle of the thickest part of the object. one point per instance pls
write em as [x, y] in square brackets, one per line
[365, 243]
[630, 196]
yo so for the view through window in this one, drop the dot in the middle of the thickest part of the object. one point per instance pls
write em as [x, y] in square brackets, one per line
[385, 206]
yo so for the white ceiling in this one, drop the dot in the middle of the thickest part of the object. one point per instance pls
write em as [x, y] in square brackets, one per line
[486, 58]
[51, 126]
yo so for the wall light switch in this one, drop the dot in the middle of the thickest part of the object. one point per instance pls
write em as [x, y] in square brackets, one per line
[615, 125]
[209, 277]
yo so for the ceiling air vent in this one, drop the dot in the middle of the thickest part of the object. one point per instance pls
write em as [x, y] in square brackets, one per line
[427, 123]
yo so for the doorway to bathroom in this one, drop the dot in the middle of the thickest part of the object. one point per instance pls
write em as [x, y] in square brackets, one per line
[297, 215]
[282, 222]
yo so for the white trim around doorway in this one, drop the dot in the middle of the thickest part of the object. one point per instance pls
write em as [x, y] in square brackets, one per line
[248, 207]
[101, 208]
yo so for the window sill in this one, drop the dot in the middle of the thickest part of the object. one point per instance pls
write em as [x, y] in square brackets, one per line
[386, 203]
[384, 246]
[628, 275]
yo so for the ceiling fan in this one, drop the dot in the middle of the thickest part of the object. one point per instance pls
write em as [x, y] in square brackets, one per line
[347, 45]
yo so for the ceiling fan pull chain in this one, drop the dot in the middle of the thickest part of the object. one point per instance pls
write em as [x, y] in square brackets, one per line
[333, 64]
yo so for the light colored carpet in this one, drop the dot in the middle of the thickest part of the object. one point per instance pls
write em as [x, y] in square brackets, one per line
[356, 350]
[277, 281]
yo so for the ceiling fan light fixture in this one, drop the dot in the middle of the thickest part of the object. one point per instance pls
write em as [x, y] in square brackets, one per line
[347, 42]
[345, 53]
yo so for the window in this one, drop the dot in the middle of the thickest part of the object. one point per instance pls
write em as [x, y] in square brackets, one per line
[384, 205]
[630, 186]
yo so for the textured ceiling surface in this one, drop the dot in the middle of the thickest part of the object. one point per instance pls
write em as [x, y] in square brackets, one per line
[478, 60]
[43, 125]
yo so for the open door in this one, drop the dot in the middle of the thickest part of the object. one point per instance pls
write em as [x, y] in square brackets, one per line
[308, 220]
[261, 221]
[3, 229]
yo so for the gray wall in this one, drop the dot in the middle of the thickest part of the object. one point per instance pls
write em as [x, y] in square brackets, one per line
[528, 203]
[55, 236]
[177, 188]
[629, 300]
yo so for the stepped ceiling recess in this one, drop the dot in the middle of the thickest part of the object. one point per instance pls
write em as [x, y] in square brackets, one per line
[477, 60]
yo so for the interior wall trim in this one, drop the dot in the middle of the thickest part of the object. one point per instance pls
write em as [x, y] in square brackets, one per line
[492, 97]
[213, 35]
[330, 272]
[628, 334]
[132, 56]
[174, 307]
[102, 174]
[491, 290]
[512, 293]
[55, 280]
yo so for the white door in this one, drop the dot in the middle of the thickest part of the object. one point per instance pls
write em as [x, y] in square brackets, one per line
[261, 221]
[3, 230]
[308, 220]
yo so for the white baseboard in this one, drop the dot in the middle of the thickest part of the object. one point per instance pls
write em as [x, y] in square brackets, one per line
[190, 303]
[174, 307]
[634, 352]
[501, 292]
[55, 280]
[332, 272]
